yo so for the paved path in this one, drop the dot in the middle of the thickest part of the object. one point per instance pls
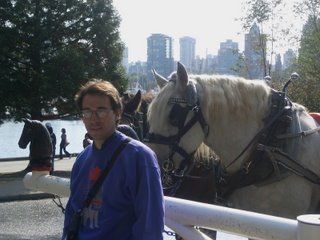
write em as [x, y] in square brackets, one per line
[64, 164]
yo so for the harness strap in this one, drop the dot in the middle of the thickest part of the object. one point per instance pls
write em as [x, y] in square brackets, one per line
[128, 115]
[302, 133]
[202, 121]
[160, 139]
[187, 127]
[259, 134]
[197, 117]
[286, 161]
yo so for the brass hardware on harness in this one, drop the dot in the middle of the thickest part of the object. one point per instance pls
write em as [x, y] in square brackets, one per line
[167, 165]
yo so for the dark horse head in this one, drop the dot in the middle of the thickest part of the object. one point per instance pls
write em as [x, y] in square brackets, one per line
[35, 133]
[130, 107]
[135, 108]
[130, 113]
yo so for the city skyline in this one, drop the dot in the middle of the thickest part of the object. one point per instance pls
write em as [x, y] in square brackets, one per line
[209, 22]
[205, 21]
[228, 61]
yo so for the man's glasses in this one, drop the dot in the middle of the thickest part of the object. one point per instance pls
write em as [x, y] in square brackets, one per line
[100, 113]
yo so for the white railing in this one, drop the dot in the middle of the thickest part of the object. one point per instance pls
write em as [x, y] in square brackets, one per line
[182, 215]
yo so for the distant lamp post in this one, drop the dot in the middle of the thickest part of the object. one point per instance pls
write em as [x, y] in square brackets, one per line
[293, 77]
[268, 80]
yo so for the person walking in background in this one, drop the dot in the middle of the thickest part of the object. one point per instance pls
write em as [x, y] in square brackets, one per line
[86, 141]
[64, 143]
[129, 204]
[53, 141]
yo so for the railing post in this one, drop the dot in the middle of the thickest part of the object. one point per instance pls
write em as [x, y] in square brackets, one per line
[182, 214]
[42, 181]
[309, 227]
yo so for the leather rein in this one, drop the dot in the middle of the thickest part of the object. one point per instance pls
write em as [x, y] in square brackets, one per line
[274, 163]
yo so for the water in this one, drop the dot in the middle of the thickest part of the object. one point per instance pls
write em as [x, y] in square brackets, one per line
[10, 133]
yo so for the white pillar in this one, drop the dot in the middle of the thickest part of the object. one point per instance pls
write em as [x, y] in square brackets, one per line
[309, 227]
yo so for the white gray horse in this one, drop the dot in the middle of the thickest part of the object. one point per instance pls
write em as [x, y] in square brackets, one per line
[269, 147]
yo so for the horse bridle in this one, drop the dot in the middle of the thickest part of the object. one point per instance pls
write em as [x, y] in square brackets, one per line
[131, 120]
[130, 117]
[171, 176]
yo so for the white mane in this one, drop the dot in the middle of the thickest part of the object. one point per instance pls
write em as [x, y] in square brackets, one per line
[234, 95]
[244, 103]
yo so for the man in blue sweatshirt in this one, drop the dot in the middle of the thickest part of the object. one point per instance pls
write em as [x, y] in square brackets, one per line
[129, 204]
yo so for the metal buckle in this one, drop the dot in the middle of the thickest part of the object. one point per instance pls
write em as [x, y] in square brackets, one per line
[167, 165]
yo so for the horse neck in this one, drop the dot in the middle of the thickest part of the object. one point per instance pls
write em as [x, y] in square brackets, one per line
[234, 116]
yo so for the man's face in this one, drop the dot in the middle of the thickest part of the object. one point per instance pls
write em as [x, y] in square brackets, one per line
[99, 118]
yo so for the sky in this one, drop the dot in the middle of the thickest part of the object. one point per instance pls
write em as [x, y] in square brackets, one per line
[210, 22]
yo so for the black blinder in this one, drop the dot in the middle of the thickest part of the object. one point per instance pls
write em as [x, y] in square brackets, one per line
[178, 115]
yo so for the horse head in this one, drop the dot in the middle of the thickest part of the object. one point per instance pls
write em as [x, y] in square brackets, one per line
[177, 127]
[35, 133]
[130, 113]
[26, 135]
[131, 105]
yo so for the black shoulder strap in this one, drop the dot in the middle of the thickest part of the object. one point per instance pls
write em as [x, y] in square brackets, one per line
[94, 189]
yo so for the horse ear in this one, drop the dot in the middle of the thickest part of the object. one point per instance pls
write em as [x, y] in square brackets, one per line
[133, 104]
[182, 77]
[136, 100]
[161, 81]
[138, 96]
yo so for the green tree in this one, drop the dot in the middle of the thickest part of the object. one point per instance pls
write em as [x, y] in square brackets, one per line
[48, 48]
[308, 89]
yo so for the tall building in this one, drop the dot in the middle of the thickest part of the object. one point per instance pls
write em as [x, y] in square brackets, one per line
[125, 59]
[159, 55]
[255, 53]
[137, 75]
[188, 52]
[278, 64]
[228, 56]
